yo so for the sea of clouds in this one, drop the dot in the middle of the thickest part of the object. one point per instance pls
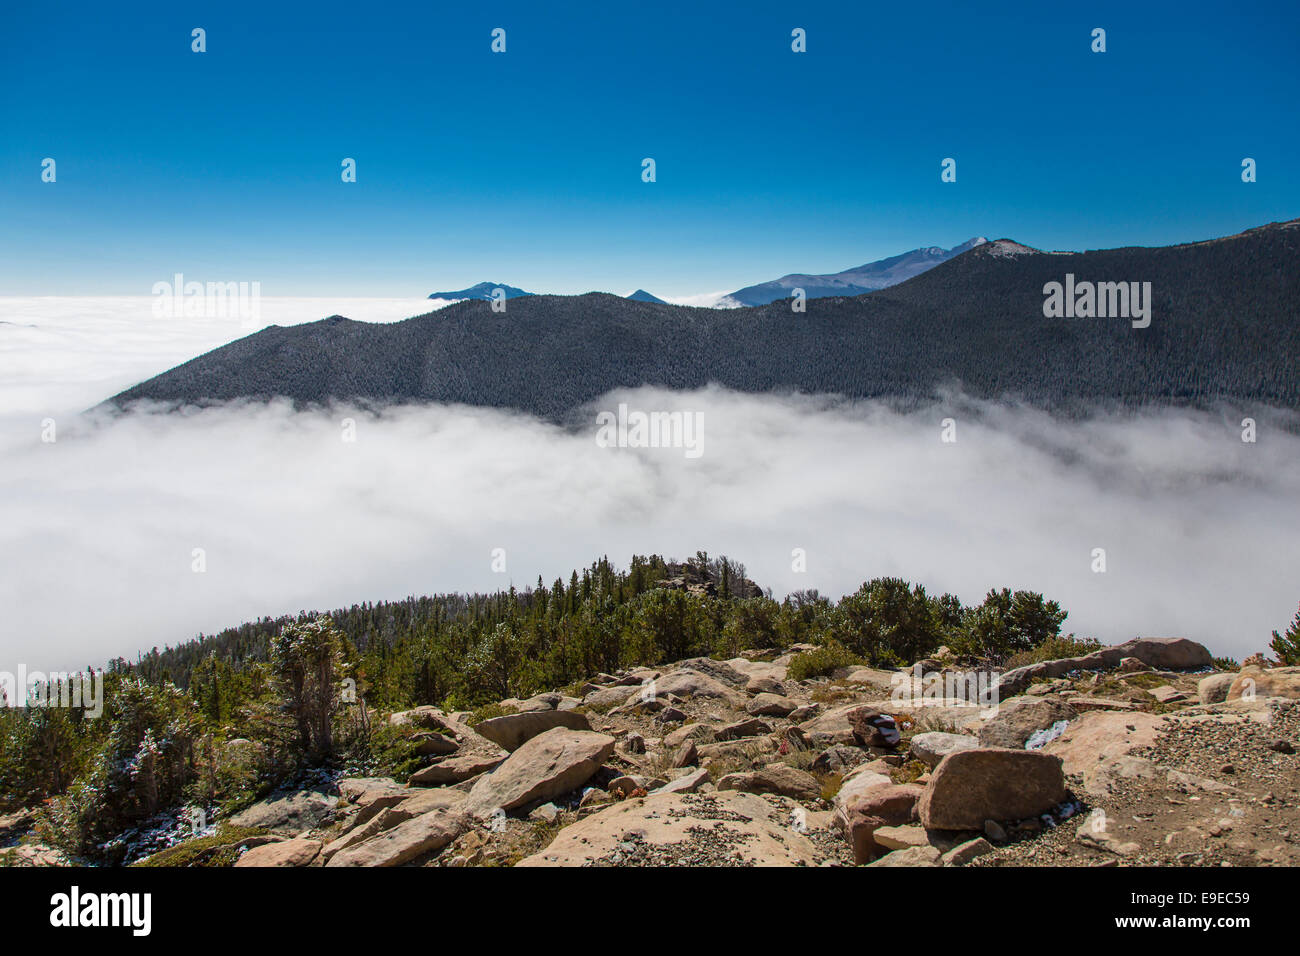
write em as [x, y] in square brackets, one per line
[99, 529]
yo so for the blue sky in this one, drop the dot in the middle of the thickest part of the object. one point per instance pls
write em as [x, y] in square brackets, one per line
[524, 167]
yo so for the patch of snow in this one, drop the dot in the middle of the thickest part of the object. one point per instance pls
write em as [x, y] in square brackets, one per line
[1041, 738]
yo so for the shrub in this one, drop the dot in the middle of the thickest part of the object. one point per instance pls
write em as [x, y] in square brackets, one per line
[1054, 649]
[822, 661]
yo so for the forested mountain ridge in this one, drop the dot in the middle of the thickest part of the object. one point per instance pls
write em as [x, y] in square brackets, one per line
[1225, 326]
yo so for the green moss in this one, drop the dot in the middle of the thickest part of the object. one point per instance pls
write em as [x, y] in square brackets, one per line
[220, 849]
[488, 711]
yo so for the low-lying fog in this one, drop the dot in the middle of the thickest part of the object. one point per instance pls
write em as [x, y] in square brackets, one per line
[99, 528]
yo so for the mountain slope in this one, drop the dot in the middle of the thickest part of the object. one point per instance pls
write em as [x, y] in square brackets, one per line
[856, 281]
[1226, 325]
[641, 295]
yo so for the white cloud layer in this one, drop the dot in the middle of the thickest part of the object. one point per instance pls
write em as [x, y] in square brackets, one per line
[98, 528]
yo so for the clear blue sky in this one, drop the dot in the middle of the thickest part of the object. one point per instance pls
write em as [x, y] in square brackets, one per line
[525, 167]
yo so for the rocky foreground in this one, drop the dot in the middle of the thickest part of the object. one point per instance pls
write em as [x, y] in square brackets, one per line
[1138, 754]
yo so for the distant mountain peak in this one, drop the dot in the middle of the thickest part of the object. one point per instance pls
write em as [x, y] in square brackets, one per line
[481, 291]
[641, 295]
[859, 280]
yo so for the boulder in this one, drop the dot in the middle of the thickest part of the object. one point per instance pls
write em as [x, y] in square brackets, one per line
[414, 838]
[1214, 689]
[1019, 719]
[605, 698]
[839, 759]
[745, 728]
[687, 783]
[548, 700]
[423, 716]
[1167, 694]
[512, 731]
[1266, 682]
[971, 786]
[965, 852]
[698, 732]
[289, 814]
[724, 828]
[283, 853]
[764, 685]
[856, 783]
[758, 671]
[360, 790]
[431, 742]
[455, 769]
[550, 765]
[771, 705]
[688, 683]
[885, 806]
[547, 813]
[932, 747]
[687, 756]
[776, 778]
[913, 856]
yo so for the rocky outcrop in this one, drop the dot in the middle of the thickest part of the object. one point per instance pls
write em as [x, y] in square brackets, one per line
[1162, 653]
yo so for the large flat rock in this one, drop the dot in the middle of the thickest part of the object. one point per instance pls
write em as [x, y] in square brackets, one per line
[727, 828]
[1099, 735]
